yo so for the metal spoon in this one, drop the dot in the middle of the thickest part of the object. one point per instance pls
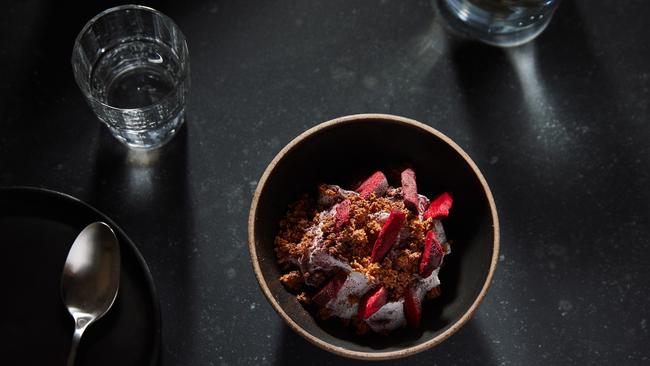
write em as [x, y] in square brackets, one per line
[91, 278]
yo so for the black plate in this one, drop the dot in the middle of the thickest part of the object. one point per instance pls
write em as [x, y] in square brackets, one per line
[37, 228]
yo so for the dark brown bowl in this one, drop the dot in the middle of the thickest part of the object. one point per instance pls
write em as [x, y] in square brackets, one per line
[344, 151]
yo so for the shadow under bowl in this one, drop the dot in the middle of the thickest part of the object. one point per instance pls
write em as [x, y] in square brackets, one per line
[344, 151]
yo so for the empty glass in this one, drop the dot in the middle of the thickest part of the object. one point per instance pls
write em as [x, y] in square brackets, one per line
[503, 23]
[132, 65]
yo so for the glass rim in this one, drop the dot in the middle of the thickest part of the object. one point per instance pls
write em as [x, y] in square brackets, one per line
[184, 65]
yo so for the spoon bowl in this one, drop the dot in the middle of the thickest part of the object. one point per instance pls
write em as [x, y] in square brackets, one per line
[91, 278]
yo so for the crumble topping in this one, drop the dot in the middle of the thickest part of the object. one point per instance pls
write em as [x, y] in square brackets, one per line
[368, 257]
[352, 244]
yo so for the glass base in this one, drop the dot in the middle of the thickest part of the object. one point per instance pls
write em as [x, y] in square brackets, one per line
[149, 139]
[500, 29]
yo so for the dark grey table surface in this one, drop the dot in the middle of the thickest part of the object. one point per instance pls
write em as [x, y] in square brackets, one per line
[560, 128]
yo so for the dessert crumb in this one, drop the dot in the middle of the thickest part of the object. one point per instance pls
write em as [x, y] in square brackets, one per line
[433, 293]
[304, 298]
[292, 280]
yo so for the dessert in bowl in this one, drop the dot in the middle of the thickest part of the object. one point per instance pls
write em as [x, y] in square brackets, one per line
[344, 152]
[368, 256]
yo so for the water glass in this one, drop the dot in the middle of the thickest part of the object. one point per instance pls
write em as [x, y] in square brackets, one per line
[504, 23]
[132, 65]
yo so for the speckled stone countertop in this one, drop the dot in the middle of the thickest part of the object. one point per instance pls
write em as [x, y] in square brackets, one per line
[560, 128]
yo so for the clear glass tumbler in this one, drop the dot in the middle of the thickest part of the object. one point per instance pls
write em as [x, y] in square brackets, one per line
[505, 23]
[132, 64]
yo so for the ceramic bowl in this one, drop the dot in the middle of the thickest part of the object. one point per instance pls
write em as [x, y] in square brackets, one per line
[344, 151]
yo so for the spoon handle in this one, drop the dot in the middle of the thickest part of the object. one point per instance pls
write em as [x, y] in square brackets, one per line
[80, 326]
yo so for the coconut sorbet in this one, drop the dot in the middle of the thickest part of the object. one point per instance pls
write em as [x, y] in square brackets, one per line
[370, 256]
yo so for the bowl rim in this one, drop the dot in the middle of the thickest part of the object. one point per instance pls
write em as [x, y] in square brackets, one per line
[408, 351]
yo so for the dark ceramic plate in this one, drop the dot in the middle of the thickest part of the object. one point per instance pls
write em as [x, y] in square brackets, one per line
[37, 228]
[345, 151]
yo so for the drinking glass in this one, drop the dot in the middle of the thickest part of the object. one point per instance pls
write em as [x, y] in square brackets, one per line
[505, 23]
[132, 65]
